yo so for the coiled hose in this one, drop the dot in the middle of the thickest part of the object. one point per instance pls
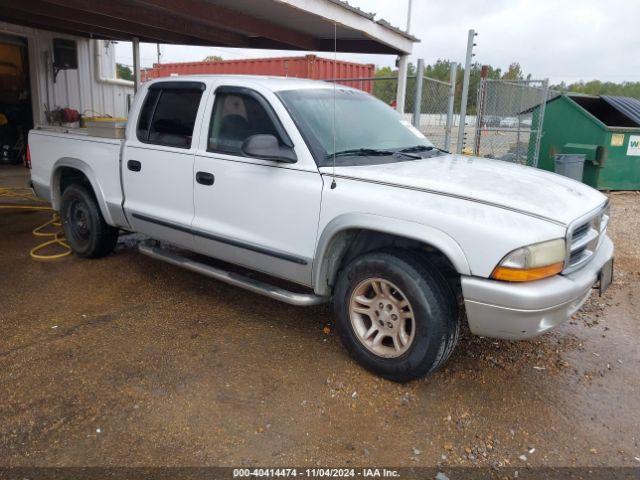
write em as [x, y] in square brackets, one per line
[54, 237]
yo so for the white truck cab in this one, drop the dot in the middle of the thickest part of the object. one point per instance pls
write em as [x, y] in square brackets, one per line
[330, 190]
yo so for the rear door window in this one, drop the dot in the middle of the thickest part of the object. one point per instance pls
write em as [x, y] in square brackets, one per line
[144, 120]
[168, 117]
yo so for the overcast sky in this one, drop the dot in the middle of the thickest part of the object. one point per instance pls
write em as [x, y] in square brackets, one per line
[566, 40]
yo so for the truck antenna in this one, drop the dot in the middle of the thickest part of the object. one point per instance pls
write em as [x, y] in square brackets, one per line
[335, 55]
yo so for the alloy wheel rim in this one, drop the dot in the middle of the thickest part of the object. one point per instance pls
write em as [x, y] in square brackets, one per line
[382, 317]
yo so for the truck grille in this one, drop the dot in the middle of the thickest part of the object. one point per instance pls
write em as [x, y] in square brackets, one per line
[584, 236]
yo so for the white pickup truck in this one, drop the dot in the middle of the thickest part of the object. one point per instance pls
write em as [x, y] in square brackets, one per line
[330, 194]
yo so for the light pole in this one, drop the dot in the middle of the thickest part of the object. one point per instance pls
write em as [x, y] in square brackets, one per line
[409, 15]
[403, 61]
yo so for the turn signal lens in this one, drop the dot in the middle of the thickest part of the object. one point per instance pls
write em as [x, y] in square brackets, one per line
[526, 275]
[534, 262]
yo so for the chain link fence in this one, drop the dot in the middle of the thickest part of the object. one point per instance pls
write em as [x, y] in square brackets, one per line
[435, 120]
[505, 120]
[508, 123]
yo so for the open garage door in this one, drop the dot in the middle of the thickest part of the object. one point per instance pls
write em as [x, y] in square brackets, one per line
[15, 99]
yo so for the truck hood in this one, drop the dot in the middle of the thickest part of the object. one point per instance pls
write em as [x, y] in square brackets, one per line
[507, 185]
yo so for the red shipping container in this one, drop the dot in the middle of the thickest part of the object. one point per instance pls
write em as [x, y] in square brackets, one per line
[309, 66]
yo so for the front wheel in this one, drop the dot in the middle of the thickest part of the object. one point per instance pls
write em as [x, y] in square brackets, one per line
[396, 314]
[85, 230]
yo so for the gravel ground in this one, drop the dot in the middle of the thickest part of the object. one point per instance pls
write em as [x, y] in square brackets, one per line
[129, 361]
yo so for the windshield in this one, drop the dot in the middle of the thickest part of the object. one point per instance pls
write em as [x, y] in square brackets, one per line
[362, 123]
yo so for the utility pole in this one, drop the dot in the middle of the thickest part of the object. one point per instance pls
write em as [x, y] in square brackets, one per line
[465, 89]
[409, 15]
[402, 62]
[158, 50]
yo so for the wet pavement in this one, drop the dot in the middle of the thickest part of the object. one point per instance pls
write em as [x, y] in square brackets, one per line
[129, 361]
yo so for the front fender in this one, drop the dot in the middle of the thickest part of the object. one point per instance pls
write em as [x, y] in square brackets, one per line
[393, 226]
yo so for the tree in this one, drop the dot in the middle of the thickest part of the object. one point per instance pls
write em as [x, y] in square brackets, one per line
[597, 87]
[383, 88]
[213, 58]
[514, 72]
[386, 83]
[123, 72]
[439, 70]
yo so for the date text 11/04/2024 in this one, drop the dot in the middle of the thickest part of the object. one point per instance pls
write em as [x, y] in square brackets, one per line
[316, 473]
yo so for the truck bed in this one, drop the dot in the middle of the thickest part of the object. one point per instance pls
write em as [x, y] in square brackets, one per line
[97, 157]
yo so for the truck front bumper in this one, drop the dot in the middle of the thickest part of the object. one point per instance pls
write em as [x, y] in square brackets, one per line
[518, 311]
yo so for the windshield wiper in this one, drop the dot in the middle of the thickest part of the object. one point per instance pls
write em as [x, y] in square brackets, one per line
[417, 148]
[360, 152]
[371, 152]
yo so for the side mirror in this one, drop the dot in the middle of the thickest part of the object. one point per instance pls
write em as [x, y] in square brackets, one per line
[268, 147]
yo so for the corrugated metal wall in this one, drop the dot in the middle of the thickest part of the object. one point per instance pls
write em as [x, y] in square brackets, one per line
[83, 89]
[309, 66]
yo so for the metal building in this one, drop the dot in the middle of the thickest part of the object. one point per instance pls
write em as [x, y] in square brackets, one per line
[46, 76]
[92, 86]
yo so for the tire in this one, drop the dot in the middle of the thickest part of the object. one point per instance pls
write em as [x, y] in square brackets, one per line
[86, 232]
[431, 324]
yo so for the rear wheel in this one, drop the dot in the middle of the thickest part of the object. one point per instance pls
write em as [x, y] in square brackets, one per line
[396, 314]
[86, 232]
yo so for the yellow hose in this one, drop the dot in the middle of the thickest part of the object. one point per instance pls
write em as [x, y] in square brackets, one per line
[56, 238]
[18, 192]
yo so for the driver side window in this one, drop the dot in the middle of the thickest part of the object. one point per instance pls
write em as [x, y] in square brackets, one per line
[235, 118]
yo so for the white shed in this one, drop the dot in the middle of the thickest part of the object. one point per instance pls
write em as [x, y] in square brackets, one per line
[91, 87]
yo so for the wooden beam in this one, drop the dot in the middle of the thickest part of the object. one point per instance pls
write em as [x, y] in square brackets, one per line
[216, 16]
[57, 18]
[144, 15]
[356, 46]
[32, 20]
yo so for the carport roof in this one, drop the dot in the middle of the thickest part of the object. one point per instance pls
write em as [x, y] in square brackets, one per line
[263, 24]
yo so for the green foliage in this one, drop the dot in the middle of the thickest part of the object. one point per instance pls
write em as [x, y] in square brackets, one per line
[514, 72]
[213, 58]
[385, 87]
[385, 90]
[123, 72]
[597, 87]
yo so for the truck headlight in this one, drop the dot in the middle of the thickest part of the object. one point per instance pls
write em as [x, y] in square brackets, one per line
[533, 262]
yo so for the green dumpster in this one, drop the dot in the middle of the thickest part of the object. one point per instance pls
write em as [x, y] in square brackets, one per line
[605, 129]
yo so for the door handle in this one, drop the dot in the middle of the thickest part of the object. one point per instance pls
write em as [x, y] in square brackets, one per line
[205, 178]
[134, 165]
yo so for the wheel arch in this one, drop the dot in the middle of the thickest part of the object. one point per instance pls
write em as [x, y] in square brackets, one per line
[338, 236]
[69, 167]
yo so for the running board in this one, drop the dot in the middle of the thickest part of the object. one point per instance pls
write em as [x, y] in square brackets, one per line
[262, 288]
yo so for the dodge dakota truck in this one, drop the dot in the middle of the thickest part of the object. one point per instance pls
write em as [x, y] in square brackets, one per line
[309, 192]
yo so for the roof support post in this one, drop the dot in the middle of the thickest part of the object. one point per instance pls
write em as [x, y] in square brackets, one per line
[403, 63]
[136, 63]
